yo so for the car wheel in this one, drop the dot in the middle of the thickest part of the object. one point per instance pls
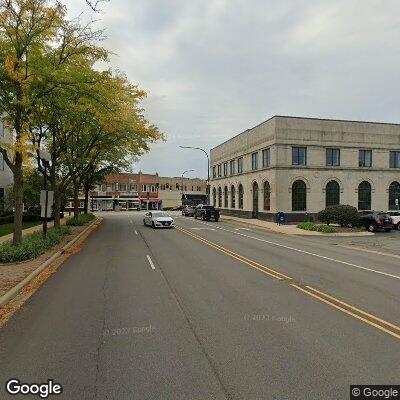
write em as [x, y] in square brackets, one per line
[371, 228]
[398, 226]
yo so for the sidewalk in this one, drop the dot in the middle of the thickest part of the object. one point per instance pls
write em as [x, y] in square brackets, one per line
[287, 229]
[30, 230]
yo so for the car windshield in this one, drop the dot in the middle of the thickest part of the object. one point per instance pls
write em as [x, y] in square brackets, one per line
[160, 214]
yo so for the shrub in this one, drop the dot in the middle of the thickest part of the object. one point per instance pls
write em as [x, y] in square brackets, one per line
[326, 229]
[343, 215]
[80, 220]
[32, 245]
[7, 219]
[307, 226]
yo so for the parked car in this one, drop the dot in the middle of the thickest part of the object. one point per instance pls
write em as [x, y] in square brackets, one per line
[376, 220]
[206, 213]
[178, 208]
[395, 215]
[158, 219]
[188, 211]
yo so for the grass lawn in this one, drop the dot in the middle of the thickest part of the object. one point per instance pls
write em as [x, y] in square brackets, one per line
[6, 229]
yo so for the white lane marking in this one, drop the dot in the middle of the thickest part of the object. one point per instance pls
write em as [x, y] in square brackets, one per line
[306, 252]
[242, 229]
[136, 233]
[202, 229]
[151, 262]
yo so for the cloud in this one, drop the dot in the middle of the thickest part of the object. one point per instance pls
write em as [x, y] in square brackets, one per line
[215, 68]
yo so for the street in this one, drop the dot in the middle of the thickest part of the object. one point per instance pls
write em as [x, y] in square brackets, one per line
[208, 311]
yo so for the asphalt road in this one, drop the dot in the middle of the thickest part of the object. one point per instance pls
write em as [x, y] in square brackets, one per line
[208, 311]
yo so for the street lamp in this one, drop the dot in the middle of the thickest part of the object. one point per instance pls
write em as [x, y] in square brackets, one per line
[185, 172]
[45, 158]
[208, 168]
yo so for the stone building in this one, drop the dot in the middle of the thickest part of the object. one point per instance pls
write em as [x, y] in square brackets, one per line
[301, 165]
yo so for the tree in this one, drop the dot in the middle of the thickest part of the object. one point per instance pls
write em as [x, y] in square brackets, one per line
[38, 48]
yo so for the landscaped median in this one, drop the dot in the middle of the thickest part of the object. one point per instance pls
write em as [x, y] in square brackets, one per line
[25, 267]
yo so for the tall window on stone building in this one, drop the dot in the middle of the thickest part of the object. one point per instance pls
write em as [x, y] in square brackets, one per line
[394, 196]
[215, 197]
[219, 197]
[233, 196]
[241, 196]
[267, 196]
[299, 196]
[364, 196]
[332, 193]
[226, 205]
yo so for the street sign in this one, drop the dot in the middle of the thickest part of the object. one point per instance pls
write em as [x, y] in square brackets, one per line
[50, 200]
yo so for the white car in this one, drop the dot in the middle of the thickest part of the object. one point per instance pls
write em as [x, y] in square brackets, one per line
[395, 215]
[158, 219]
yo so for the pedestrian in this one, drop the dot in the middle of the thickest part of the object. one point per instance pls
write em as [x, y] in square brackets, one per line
[282, 218]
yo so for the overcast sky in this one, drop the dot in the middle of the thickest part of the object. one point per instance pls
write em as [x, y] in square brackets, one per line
[213, 68]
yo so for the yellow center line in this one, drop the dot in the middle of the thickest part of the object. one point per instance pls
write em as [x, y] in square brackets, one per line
[239, 257]
[355, 309]
[307, 290]
[397, 336]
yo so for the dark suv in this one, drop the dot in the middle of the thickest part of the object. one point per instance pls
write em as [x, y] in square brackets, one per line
[206, 213]
[376, 220]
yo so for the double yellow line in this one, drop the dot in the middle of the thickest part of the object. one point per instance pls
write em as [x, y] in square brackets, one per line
[370, 319]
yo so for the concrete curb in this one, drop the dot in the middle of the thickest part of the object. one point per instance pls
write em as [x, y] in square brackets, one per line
[304, 233]
[16, 289]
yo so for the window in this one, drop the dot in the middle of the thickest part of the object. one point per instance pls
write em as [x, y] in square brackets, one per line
[241, 196]
[226, 197]
[394, 196]
[214, 172]
[219, 170]
[333, 157]
[267, 196]
[299, 196]
[219, 197]
[240, 165]
[299, 156]
[365, 158]
[133, 187]
[233, 196]
[332, 195]
[214, 197]
[232, 167]
[117, 187]
[364, 196]
[122, 187]
[109, 187]
[266, 159]
[225, 169]
[254, 161]
[394, 159]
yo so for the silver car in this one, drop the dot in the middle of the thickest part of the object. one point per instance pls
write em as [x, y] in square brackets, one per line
[158, 219]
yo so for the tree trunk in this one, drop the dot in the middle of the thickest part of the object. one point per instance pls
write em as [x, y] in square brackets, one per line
[76, 200]
[57, 208]
[86, 210]
[18, 199]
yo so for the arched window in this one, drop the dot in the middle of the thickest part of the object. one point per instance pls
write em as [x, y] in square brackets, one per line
[364, 196]
[233, 196]
[215, 197]
[332, 194]
[241, 196]
[394, 194]
[267, 196]
[299, 196]
[226, 197]
[219, 197]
